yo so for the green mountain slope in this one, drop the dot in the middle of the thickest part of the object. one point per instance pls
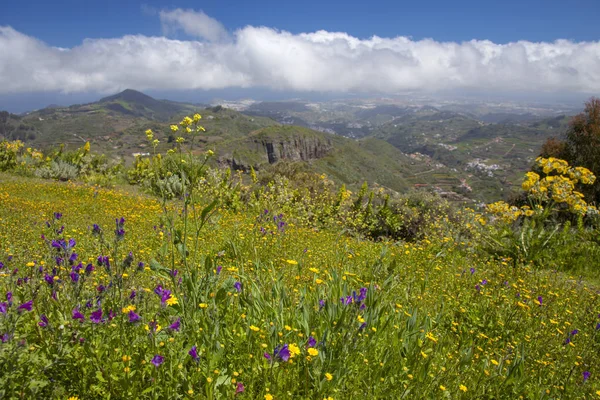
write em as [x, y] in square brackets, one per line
[115, 125]
[345, 160]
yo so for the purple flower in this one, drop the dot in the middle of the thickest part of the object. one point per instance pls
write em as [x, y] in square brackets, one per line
[26, 306]
[598, 326]
[57, 215]
[219, 268]
[282, 352]
[54, 295]
[44, 321]
[76, 314]
[586, 375]
[321, 304]
[157, 360]
[152, 326]
[132, 295]
[89, 268]
[133, 317]
[174, 273]
[239, 388]
[176, 325]
[472, 270]
[477, 287]
[5, 337]
[101, 288]
[96, 316]
[103, 260]
[312, 342]
[3, 307]
[119, 231]
[540, 299]
[111, 315]
[49, 279]
[163, 293]
[267, 356]
[484, 282]
[238, 286]
[194, 353]
[362, 296]
[96, 229]
[74, 277]
[574, 332]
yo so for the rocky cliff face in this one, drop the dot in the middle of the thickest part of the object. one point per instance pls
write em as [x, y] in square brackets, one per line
[294, 148]
[274, 144]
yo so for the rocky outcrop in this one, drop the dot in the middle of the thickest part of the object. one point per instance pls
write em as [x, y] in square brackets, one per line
[294, 148]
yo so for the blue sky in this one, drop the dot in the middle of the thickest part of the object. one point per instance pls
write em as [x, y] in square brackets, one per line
[66, 23]
[74, 51]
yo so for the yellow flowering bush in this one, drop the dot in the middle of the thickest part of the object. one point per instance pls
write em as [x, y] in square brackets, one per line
[526, 233]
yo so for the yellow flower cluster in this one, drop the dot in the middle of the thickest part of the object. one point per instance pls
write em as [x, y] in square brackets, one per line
[13, 147]
[505, 212]
[559, 188]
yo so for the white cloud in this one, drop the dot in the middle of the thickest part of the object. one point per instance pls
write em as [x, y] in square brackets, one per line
[194, 23]
[319, 61]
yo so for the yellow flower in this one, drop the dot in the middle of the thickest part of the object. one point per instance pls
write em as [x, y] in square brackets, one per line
[268, 396]
[292, 262]
[316, 271]
[494, 362]
[328, 376]
[203, 305]
[254, 328]
[186, 121]
[209, 379]
[128, 308]
[197, 117]
[174, 128]
[172, 300]
[462, 388]
[294, 350]
[30, 264]
[73, 398]
[313, 352]
[442, 388]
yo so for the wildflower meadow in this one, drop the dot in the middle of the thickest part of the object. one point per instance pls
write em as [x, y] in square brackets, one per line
[196, 283]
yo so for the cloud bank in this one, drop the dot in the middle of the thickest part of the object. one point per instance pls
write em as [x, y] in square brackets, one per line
[268, 58]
